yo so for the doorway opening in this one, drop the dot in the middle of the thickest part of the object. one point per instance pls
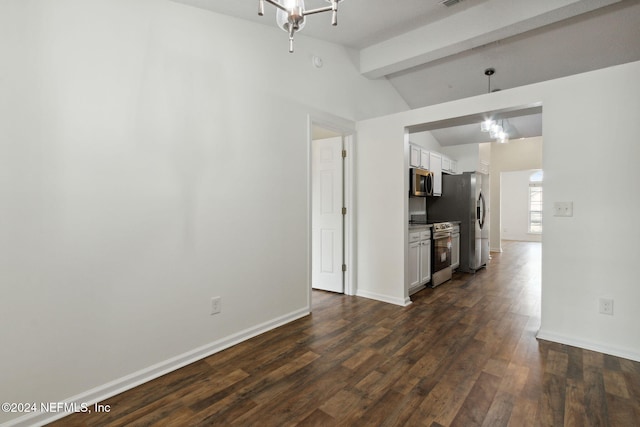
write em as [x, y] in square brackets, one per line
[331, 206]
[521, 205]
[464, 143]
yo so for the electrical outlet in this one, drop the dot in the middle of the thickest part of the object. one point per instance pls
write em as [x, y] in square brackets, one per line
[563, 209]
[216, 305]
[606, 306]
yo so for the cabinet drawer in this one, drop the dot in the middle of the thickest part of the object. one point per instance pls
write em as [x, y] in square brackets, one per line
[424, 235]
[414, 237]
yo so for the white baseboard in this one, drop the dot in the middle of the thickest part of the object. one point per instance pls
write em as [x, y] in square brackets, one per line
[587, 345]
[384, 298]
[135, 379]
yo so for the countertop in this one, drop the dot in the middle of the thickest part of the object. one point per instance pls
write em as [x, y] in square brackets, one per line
[416, 227]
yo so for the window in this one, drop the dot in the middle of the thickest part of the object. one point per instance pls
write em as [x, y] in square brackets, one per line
[535, 202]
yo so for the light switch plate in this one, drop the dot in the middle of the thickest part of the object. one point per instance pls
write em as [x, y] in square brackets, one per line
[563, 209]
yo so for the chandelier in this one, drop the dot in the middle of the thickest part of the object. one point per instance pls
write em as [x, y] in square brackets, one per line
[290, 15]
[496, 130]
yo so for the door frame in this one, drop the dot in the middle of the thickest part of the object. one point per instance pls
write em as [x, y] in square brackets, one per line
[346, 129]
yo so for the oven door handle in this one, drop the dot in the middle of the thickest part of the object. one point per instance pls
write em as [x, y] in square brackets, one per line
[442, 235]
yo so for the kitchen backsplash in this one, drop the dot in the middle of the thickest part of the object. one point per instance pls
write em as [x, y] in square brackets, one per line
[417, 206]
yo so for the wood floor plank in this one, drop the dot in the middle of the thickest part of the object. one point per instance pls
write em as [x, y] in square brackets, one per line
[524, 413]
[552, 401]
[462, 354]
[317, 418]
[621, 411]
[595, 396]
[346, 407]
[575, 414]
[615, 383]
[475, 407]
[500, 410]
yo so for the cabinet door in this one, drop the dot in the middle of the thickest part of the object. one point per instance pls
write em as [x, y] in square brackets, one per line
[454, 166]
[455, 250]
[425, 261]
[414, 156]
[436, 167]
[446, 164]
[414, 264]
[424, 159]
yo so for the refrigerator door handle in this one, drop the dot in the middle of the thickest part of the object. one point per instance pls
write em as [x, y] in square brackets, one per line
[481, 215]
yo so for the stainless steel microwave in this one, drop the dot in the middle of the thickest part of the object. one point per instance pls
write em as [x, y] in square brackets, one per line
[420, 183]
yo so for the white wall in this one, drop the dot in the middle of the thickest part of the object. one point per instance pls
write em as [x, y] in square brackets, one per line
[467, 156]
[514, 206]
[152, 156]
[575, 273]
[517, 155]
[382, 157]
[426, 140]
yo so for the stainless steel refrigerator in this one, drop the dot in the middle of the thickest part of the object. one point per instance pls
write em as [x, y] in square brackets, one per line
[465, 198]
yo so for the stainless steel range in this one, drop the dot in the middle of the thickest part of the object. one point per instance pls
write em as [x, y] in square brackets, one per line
[441, 254]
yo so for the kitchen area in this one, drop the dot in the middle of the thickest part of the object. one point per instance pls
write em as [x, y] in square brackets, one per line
[448, 218]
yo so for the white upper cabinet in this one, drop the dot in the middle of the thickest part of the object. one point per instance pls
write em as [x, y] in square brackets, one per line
[446, 164]
[418, 157]
[414, 156]
[434, 162]
[435, 166]
[424, 159]
[449, 165]
[454, 166]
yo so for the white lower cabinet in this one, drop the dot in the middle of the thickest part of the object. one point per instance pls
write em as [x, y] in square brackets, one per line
[414, 265]
[419, 259]
[425, 261]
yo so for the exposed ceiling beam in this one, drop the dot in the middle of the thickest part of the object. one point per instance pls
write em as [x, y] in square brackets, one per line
[471, 28]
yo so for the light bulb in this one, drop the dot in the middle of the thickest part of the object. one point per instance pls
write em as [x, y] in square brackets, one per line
[486, 125]
[294, 16]
[495, 130]
[502, 137]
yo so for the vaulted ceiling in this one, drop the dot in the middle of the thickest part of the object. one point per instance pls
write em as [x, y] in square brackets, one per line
[432, 53]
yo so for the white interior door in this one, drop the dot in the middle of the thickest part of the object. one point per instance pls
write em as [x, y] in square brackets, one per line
[326, 216]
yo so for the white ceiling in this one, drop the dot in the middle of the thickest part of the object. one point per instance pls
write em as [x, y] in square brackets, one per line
[570, 37]
[362, 23]
[522, 126]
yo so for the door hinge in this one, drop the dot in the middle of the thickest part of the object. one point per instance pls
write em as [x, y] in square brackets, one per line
[344, 211]
[344, 153]
[344, 267]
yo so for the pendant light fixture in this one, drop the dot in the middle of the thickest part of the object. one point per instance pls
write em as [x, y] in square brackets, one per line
[290, 15]
[496, 130]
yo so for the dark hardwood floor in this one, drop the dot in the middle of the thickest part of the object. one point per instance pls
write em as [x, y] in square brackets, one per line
[463, 354]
